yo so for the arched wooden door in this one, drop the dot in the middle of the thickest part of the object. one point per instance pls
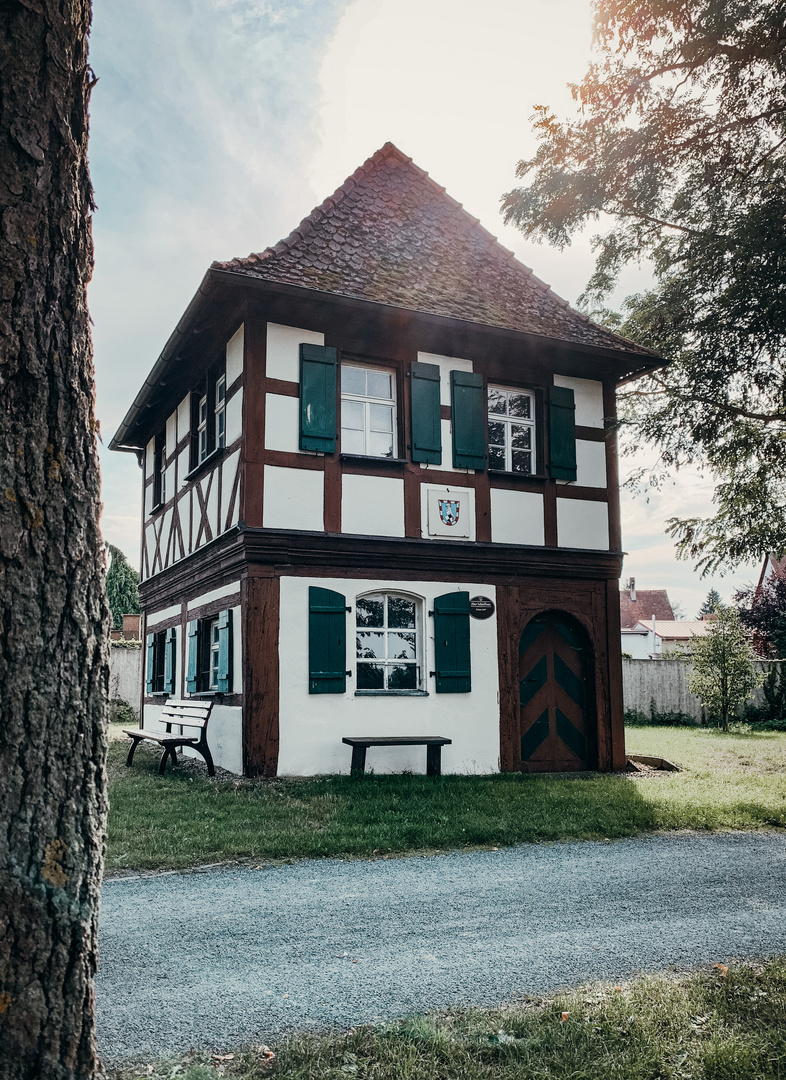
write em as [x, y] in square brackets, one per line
[558, 729]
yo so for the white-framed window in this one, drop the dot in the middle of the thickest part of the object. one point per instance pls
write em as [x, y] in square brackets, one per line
[511, 430]
[220, 410]
[368, 411]
[389, 642]
[213, 637]
[202, 431]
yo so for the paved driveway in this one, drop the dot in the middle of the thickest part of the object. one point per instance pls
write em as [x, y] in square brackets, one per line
[221, 957]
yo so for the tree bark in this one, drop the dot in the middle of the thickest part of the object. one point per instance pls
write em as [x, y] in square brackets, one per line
[53, 611]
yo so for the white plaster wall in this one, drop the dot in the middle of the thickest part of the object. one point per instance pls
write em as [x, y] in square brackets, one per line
[589, 399]
[294, 499]
[312, 725]
[446, 364]
[234, 355]
[170, 478]
[467, 497]
[184, 506]
[228, 474]
[282, 423]
[182, 468]
[517, 517]
[372, 505]
[215, 594]
[234, 416]
[148, 500]
[171, 433]
[638, 645]
[166, 530]
[184, 417]
[125, 675]
[583, 524]
[150, 459]
[283, 350]
[590, 464]
[156, 617]
[212, 508]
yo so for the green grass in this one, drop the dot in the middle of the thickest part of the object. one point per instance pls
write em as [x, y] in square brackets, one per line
[711, 1026]
[731, 781]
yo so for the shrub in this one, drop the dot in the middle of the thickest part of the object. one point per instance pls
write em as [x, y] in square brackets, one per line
[668, 718]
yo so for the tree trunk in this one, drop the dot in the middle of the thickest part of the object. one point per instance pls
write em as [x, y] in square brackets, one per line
[53, 612]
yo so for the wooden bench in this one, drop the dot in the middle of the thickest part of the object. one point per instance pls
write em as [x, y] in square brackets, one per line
[433, 744]
[183, 714]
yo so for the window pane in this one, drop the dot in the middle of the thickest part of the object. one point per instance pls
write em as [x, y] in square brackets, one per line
[497, 433]
[521, 436]
[352, 442]
[401, 646]
[352, 414]
[370, 646]
[496, 457]
[353, 380]
[379, 384]
[380, 444]
[369, 611]
[403, 677]
[519, 405]
[522, 461]
[401, 612]
[370, 677]
[381, 418]
[497, 401]
[221, 388]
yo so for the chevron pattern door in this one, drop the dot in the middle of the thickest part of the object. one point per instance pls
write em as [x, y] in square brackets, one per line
[557, 719]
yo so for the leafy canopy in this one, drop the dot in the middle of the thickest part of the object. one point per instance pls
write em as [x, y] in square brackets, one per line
[722, 673]
[679, 150]
[122, 587]
[763, 610]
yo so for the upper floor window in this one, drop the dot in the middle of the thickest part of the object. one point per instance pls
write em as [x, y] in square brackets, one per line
[368, 411]
[511, 430]
[388, 642]
[208, 422]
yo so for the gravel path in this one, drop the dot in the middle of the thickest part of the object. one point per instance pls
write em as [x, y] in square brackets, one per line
[221, 957]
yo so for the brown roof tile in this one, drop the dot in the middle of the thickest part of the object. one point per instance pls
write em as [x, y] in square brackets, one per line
[648, 602]
[392, 235]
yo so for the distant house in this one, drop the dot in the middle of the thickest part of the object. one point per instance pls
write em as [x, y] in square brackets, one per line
[639, 606]
[771, 568]
[648, 641]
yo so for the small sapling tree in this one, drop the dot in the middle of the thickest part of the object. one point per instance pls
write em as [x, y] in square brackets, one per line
[723, 675]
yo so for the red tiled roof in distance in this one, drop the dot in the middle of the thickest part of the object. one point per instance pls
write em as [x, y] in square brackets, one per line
[648, 602]
[390, 234]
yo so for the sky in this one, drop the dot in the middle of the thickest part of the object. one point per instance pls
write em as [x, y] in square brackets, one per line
[217, 125]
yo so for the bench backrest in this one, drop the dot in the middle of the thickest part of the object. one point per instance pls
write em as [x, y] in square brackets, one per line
[193, 714]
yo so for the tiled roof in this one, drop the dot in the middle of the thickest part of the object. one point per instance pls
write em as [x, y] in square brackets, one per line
[392, 235]
[648, 602]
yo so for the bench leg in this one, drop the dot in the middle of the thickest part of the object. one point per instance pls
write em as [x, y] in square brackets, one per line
[168, 750]
[134, 744]
[203, 750]
[358, 766]
[433, 760]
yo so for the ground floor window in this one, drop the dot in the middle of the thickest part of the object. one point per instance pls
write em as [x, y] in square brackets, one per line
[388, 642]
[161, 662]
[210, 654]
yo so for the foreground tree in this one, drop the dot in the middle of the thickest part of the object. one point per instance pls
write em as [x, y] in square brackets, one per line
[122, 587]
[53, 611]
[680, 147]
[722, 673]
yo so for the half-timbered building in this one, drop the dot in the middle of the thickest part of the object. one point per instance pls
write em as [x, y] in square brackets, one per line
[380, 498]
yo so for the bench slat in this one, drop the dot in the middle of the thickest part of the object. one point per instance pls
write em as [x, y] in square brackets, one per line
[405, 740]
[159, 736]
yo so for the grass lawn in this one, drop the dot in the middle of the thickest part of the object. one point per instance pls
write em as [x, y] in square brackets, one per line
[731, 781]
[717, 1026]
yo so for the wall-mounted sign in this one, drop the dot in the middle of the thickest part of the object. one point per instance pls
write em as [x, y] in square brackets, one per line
[480, 607]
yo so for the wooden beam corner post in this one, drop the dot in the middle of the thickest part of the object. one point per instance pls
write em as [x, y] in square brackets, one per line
[260, 620]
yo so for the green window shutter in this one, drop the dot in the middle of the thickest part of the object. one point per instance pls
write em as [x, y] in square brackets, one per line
[225, 651]
[170, 660]
[317, 398]
[426, 414]
[562, 434]
[193, 657]
[327, 641]
[150, 661]
[451, 643]
[468, 420]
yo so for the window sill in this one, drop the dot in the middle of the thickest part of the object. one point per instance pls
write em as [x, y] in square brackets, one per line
[541, 477]
[210, 693]
[156, 508]
[159, 693]
[391, 693]
[366, 459]
[211, 459]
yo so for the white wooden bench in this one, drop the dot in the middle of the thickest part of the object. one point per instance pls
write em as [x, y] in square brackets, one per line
[183, 714]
